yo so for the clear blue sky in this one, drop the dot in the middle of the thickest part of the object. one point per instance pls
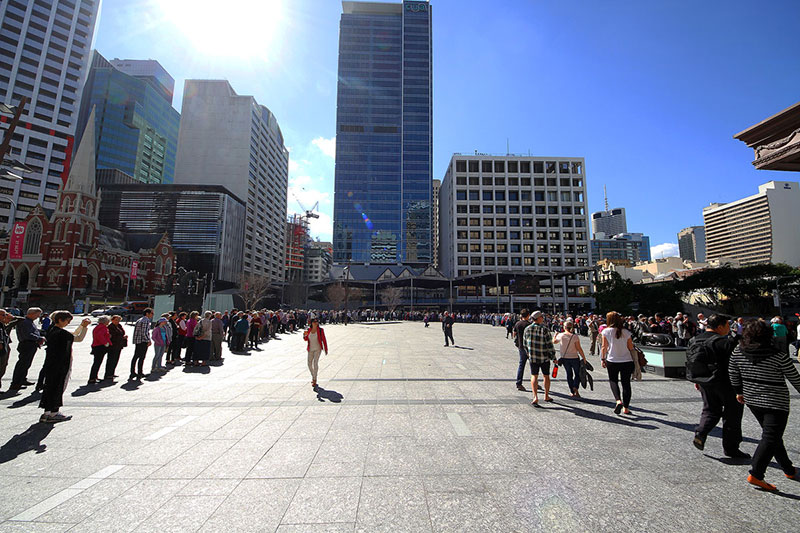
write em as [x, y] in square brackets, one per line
[650, 93]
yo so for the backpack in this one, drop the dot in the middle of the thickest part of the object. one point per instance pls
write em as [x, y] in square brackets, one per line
[701, 365]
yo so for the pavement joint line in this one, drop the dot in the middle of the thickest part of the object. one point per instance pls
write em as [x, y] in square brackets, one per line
[459, 425]
[32, 513]
[169, 429]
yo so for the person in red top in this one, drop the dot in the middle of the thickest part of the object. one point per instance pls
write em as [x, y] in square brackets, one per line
[101, 341]
[315, 337]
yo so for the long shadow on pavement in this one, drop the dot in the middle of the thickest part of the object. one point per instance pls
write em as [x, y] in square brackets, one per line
[585, 413]
[22, 402]
[328, 395]
[29, 440]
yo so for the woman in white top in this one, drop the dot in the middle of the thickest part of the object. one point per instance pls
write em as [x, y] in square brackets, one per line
[616, 354]
[571, 355]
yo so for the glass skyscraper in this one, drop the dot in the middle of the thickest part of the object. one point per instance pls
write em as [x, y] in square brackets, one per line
[382, 198]
[137, 127]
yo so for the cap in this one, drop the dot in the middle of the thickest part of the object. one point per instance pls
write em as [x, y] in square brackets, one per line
[536, 315]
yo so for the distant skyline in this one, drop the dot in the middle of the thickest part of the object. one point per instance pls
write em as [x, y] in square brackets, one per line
[650, 94]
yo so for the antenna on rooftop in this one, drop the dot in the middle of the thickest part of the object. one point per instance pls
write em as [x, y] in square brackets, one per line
[508, 147]
[605, 193]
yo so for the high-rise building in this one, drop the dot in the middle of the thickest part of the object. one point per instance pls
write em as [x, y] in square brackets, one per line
[296, 243]
[137, 127]
[230, 139]
[692, 244]
[318, 261]
[382, 192]
[625, 249]
[205, 224]
[437, 185]
[44, 56]
[521, 214]
[610, 221]
[758, 229]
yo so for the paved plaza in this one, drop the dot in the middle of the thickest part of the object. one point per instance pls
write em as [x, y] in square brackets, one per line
[405, 435]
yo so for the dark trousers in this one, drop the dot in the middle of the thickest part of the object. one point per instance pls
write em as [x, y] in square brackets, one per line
[448, 334]
[189, 343]
[99, 352]
[620, 372]
[573, 368]
[719, 402]
[139, 352]
[773, 424]
[175, 349]
[253, 336]
[27, 350]
[111, 362]
[523, 361]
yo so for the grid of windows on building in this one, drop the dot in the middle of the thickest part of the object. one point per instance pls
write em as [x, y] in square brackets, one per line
[382, 198]
[44, 54]
[516, 213]
[622, 249]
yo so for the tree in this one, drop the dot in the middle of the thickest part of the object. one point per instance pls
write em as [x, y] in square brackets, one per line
[335, 294]
[615, 294]
[391, 297]
[252, 288]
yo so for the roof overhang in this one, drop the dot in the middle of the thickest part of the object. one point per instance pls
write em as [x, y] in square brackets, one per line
[775, 140]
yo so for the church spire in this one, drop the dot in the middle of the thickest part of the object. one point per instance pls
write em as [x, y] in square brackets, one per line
[82, 172]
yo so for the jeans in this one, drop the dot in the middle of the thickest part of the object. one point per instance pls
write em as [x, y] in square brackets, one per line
[719, 402]
[27, 351]
[523, 360]
[773, 424]
[139, 351]
[99, 352]
[573, 368]
[624, 371]
[159, 349]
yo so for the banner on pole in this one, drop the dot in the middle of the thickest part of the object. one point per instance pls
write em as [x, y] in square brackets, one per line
[17, 240]
[134, 269]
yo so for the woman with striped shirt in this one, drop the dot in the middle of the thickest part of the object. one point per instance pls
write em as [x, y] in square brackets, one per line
[758, 372]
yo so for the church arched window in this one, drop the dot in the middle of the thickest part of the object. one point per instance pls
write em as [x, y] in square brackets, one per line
[33, 237]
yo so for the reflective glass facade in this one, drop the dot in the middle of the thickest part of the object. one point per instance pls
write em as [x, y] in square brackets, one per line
[382, 199]
[137, 127]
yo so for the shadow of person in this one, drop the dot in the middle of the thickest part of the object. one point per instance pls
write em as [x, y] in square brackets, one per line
[197, 369]
[328, 395]
[462, 347]
[131, 385]
[22, 402]
[29, 440]
[83, 390]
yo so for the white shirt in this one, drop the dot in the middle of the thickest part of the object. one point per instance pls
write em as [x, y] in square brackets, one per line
[313, 342]
[617, 347]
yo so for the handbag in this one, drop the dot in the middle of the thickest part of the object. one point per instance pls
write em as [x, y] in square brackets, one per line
[638, 356]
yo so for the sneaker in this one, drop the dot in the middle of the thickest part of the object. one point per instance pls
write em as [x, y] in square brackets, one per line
[44, 419]
[520, 387]
[760, 483]
[60, 417]
[792, 476]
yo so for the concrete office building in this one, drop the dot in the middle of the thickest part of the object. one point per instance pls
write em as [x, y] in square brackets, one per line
[437, 185]
[318, 261]
[520, 214]
[382, 191]
[44, 55]
[758, 229]
[230, 139]
[692, 244]
[622, 248]
[137, 127]
[205, 224]
[610, 221]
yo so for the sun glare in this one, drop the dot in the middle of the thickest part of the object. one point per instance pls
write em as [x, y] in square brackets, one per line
[245, 29]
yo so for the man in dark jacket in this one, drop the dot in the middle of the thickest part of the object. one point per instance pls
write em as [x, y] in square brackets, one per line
[719, 397]
[447, 328]
[519, 330]
[30, 339]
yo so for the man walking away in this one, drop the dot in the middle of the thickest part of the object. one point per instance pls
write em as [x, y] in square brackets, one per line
[594, 331]
[447, 328]
[708, 356]
[30, 339]
[519, 331]
[141, 340]
[539, 343]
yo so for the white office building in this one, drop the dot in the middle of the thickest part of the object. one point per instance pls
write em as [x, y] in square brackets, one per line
[758, 229]
[44, 55]
[692, 244]
[437, 184]
[229, 139]
[610, 222]
[518, 214]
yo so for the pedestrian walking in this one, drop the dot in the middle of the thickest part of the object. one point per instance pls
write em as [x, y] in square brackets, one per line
[758, 373]
[708, 357]
[316, 343]
[119, 340]
[519, 331]
[616, 358]
[162, 337]
[29, 339]
[594, 331]
[58, 365]
[101, 342]
[539, 345]
[447, 328]
[141, 340]
[571, 354]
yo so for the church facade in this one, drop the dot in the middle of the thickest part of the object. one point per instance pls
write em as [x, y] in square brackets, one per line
[67, 254]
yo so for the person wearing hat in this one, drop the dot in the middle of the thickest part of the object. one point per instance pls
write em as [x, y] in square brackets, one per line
[539, 343]
[315, 337]
[162, 337]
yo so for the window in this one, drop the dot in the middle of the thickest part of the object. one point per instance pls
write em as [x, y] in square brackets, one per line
[488, 209]
[541, 222]
[500, 209]
[553, 236]
[551, 167]
[577, 168]
[513, 222]
[500, 222]
[552, 210]
[486, 166]
[461, 209]
[551, 182]
[461, 180]
[527, 248]
[500, 182]
[474, 196]
[462, 247]
[475, 261]
[568, 235]
[499, 167]
[525, 167]
[564, 182]
[538, 196]
[475, 247]
[556, 261]
[563, 167]
[516, 261]
[526, 210]
[488, 222]
[513, 166]
[461, 234]
[159, 264]
[541, 248]
[501, 235]
[487, 181]
[513, 196]
[525, 182]
[461, 166]
[473, 180]
[462, 260]
[489, 248]
[514, 236]
[474, 221]
[513, 209]
[502, 248]
[542, 261]
[461, 195]
[475, 209]
[489, 261]
[487, 196]
[33, 238]
[461, 222]
[499, 196]
[541, 235]
[555, 248]
[552, 196]
[527, 235]
[525, 196]
[474, 234]
[567, 223]
[488, 235]
[566, 210]
[565, 196]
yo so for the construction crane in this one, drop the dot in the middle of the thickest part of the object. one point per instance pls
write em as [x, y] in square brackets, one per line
[309, 212]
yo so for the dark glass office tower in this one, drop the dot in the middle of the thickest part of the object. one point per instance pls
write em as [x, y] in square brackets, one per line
[382, 198]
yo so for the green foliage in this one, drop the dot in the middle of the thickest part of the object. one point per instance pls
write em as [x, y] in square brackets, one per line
[616, 294]
[741, 284]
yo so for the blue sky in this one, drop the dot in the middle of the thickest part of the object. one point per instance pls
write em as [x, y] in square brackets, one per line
[650, 93]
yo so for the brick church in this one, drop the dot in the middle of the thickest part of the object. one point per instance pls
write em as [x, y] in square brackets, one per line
[67, 254]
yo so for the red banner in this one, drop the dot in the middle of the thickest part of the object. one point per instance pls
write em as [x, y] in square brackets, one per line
[17, 240]
[134, 269]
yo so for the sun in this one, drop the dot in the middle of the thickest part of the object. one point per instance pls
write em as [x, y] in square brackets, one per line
[230, 28]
